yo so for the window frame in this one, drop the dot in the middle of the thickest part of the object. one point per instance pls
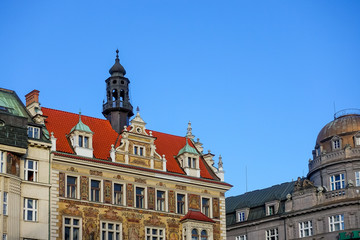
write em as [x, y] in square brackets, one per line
[139, 150]
[195, 235]
[241, 216]
[241, 237]
[72, 226]
[333, 222]
[272, 235]
[305, 231]
[34, 210]
[5, 198]
[77, 184]
[208, 209]
[123, 191]
[335, 183]
[163, 200]
[107, 230]
[357, 140]
[151, 235]
[31, 133]
[357, 178]
[2, 162]
[144, 197]
[336, 143]
[35, 170]
[184, 203]
[91, 190]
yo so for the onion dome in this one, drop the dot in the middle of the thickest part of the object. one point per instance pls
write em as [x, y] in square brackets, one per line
[117, 67]
[80, 126]
[188, 149]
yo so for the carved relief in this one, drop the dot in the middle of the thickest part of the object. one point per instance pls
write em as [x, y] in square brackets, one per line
[72, 169]
[161, 184]
[71, 210]
[216, 208]
[205, 191]
[194, 201]
[172, 204]
[107, 191]
[180, 187]
[110, 214]
[130, 195]
[96, 173]
[84, 188]
[119, 177]
[140, 180]
[133, 217]
[151, 198]
[139, 161]
[61, 184]
[154, 221]
[173, 235]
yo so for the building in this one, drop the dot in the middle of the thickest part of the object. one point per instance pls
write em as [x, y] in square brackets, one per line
[324, 205]
[116, 179]
[24, 170]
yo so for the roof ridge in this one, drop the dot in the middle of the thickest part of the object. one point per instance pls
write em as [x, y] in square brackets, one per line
[74, 113]
[257, 190]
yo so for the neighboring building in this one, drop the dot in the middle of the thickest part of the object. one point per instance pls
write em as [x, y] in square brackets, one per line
[24, 170]
[115, 179]
[324, 205]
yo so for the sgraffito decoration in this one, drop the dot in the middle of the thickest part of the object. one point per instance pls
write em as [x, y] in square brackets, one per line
[154, 221]
[194, 201]
[110, 214]
[216, 210]
[96, 173]
[171, 199]
[61, 184]
[107, 191]
[133, 217]
[71, 210]
[173, 235]
[133, 232]
[91, 212]
[173, 226]
[84, 188]
[216, 231]
[91, 229]
[151, 198]
[180, 187]
[130, 195]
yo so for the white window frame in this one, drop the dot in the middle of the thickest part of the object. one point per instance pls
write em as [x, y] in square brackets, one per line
[335, 183]
[100, 190]
[241, 237]
[241, 216]
[5, 203]
[122, 194]
[209, 207]
[4, 236]
[77, 188]
[357, 140]
[35, 170]
[164, 208]
[2, 162]
[272, 234]
[185, 202]
[336, 220]
[34, 210]
[139, 150]
[357, 178]
[336, 143]
[72, 227]
[144, 197]
[305, 229]
[33, 132]
[149, 233]
[82, 142]
[106, 230]
[271, 210]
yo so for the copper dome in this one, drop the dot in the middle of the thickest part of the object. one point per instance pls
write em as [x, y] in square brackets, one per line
[345, 123]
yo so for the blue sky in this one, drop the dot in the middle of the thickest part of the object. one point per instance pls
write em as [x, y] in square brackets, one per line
[257, 79]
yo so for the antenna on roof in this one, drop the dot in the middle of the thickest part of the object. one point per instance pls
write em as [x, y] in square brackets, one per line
[246, 179]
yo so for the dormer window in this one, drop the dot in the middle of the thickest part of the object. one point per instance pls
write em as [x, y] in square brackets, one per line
[241, 215]
[272, 208]
[81, 138]
[33, 132]
[83, 141]
[336, 143]
[357, 140]
[191, 162]
[139, 150]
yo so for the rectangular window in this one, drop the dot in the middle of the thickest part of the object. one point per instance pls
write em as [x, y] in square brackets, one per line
[2, 162]
[337, 182]
[357, 178]
[180, 203]
[242, 237]
[111, 231]
[140, 197]
[31, 170]
[272, 234]
[81, 139]
[71, 187]
[86, 142]
[95, 191]
[336, 223]
[4, 236]
[30, 209]
[357, 140]
[33, 132]
[189, 162]
[305, 229]
[271, 210]
[205, 206]
[72, 228]
[118, 194]
[160, 200]
[138, 150]
[241, 216]
[336, 144]
[154, 233]
[5, 203]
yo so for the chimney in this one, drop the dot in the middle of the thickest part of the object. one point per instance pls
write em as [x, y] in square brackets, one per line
[32, 97]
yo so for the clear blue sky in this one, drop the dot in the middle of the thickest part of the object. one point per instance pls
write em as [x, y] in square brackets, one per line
[257, 79]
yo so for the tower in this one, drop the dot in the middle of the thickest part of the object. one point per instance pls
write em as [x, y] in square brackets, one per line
[117, 108]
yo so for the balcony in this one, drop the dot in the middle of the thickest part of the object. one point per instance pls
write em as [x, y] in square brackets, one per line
[116, 104]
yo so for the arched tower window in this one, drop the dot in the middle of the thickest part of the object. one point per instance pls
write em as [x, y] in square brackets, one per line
[194, 234]
[122, 95]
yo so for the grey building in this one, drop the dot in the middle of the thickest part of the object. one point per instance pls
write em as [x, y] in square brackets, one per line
[324, 205]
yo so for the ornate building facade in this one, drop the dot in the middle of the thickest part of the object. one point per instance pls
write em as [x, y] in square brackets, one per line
[116, 179]
[324, 205]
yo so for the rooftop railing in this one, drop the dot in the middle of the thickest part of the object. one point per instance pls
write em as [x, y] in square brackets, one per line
[349, 111]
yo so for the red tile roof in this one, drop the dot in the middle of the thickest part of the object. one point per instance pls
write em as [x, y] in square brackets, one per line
[61, 123]
[196, 215]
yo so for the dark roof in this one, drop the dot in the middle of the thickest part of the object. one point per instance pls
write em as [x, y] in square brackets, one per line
[256, 200]
[196, 215]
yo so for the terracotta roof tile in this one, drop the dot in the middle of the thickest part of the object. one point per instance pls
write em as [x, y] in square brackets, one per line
[196, 215]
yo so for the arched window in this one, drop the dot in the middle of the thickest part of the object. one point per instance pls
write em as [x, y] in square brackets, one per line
[204, 235]
[194, 234]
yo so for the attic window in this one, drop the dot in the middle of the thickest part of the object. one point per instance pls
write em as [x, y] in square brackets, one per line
[336, 144]
[33, 132]
[191, 162]
[83, 141]
[271, 210]
[241, 216]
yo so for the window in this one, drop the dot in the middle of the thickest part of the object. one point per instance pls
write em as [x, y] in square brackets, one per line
[95, 191]
[118, 194]
[31, 170]
[72, 228]
[241, 237]
[336, 223]
[4, 236]
[2, 162]
[180, 203]
[337, 182]
[357, 179]
[83, 141]
[271, 210]
[241, 216]
[336, 144]
[191, 162]
[140, 197]
[357, 140]
[152, 233]
[33, 132]
[160, 200]
[71, 187]
[204, 235]
[272, 234]
[30, 209]
[5, 204]
[205, 206]
[138, 150]
[305, 229]
[194, 234]
[110, 231]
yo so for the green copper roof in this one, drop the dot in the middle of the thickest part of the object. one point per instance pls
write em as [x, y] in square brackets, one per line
[188, 149]
[80, 126]
[10, 103]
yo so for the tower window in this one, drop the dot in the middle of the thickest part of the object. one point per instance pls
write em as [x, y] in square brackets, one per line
[114, 82]
[337, 182]
[336, 144]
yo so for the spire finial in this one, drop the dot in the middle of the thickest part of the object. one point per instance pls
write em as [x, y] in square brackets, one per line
[137, 109]
[117, 53]
[80, 115]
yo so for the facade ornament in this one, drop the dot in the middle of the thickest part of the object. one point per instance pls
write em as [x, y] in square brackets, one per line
[288, 196]
[189, 132]
[112, 153]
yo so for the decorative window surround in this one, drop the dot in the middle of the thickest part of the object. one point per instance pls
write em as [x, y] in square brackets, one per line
[72, 187]
[190, 225]
[155, 233]
[161, 200]
[72, 228]
[305, 229]
[357, 139]
[111, 230]
[139, 150]
[95, 188]
[118, 193]
[5, 203]
[31, 170]
[336, 143]
[2, 162]
[336, 223]
[206, 206]
[181, 203]
[337, 182]
[140, 197]
[242, 215]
